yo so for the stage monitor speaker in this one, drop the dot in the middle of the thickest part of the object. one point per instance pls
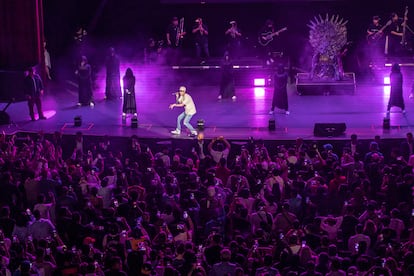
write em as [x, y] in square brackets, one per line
[200, 125]
[134, 122]
[272, 124]
[4, 118]
[77, 121]
[329, 129]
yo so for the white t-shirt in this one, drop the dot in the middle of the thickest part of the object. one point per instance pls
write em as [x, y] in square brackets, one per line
[189, 106]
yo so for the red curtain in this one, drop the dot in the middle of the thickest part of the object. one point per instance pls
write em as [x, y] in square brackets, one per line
[21, 34]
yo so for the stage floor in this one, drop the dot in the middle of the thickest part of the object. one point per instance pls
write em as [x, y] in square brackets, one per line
[362, 112]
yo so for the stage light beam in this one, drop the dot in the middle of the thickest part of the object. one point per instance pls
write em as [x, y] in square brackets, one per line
[387, 81]
[259, 92]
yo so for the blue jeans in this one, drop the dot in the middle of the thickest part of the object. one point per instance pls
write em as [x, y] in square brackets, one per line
[187, 119]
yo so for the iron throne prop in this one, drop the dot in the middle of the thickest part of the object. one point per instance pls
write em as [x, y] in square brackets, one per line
[328, 37]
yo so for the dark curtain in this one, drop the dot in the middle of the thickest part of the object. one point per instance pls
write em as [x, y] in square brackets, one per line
[21, 34]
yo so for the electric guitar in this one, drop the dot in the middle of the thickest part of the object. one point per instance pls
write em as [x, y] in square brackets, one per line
[266, 38]
[374, 37]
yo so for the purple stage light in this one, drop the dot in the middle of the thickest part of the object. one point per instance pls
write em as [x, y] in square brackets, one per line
[387, 81]
[259, 92]
[259, 82]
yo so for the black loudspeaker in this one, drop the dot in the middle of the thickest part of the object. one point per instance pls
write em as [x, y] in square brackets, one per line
[272, 124]
[77, 121]
[329, 129]
[200, 125]
[4, 118]
[134, 122]
[386, 123]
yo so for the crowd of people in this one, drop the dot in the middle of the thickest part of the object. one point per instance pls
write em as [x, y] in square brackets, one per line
[219, 209]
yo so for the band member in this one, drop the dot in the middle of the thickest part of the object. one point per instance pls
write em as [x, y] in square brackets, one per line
[280, 97]
[186, 101]
[175, 34]
[130, 105]
[200, 32]
[153, 52]
[374, 27]
[395, 34]
[84, 73]
[268, 28]
[396, 94]
[227, 89]
[34, 92]
[48, 63]
[113, 76]
[233, 35]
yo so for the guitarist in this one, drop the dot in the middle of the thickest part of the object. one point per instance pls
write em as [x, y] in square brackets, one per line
[375, 39]
[374, 29]
[267, 50]
[395, 33]
[174, 38]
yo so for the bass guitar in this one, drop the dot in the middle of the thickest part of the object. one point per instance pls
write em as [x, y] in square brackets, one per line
[404, 25]
[180, 32]
[266, 38]
[374, 37]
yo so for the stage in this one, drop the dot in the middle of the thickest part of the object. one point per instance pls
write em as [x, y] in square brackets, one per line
[363, 112]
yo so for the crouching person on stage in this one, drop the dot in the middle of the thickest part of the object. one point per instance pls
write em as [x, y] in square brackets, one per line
[184, 100]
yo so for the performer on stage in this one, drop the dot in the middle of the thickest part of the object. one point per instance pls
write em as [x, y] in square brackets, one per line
[34, 92]
[227, 89]
[48, 63]
[84, 74]
[280, 97]
[396, 95]
[186, 101]
[395, 34]
[113, 76]
[266, 50]
[175, 34]
[233, 35]
[200, 32]
[130, 105]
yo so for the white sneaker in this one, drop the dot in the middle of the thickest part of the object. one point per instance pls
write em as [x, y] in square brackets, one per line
[219, 97]
[176, 132]
[79, 104]
[234, 98]
[91, 104]
[287, 112]
[271, 112]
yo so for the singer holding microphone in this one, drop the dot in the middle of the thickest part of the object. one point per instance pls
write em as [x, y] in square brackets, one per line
[200, 32]
[184, 100]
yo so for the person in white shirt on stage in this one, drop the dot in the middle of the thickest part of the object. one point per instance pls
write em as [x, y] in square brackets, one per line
[184, 100]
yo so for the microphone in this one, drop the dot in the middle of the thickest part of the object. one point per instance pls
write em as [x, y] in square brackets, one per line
[174, 94]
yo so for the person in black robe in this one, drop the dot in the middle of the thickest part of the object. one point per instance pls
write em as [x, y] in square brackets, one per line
[396, 94]
[129, 106]
[280, 97]
[227, 89]
[113, 76]
[84, 74]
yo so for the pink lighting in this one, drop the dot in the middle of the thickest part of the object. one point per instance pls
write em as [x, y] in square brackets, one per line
[259, 82]
[387, 81]
[259, 92]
